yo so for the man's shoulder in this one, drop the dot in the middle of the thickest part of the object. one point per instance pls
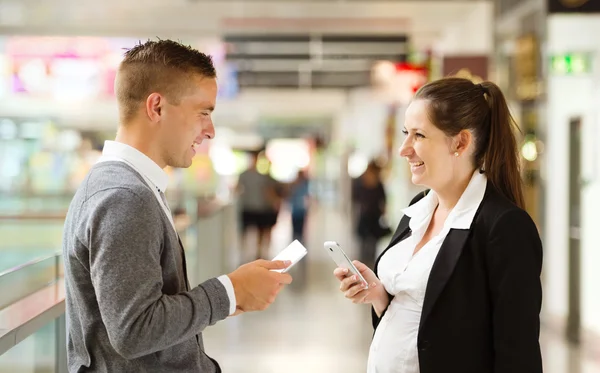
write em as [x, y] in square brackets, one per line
[113, 181]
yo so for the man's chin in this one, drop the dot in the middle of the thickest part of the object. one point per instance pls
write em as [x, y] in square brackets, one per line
[187, 163]
[181, 164]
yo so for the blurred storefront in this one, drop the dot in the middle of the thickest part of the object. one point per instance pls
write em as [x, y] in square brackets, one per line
[572, 204]
[518, 69]
[58, 108]
[547, 60]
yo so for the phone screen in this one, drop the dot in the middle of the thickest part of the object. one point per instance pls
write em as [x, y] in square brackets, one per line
[294, 253]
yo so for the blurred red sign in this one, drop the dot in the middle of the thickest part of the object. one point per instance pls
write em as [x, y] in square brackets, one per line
[414, 76]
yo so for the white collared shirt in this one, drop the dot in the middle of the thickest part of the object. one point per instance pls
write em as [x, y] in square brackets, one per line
[405, 276]
[157, 179]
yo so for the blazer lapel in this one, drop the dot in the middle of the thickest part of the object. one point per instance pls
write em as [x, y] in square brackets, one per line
[442, 268]
[402, 232]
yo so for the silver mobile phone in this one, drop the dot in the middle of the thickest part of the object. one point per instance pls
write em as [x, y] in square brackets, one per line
[294, 253]
[341, 259]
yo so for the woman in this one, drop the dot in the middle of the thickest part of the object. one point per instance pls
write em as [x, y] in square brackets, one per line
[458, 288]
[369, 198]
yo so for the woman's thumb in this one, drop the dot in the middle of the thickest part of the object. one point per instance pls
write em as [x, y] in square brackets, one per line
[360, 266]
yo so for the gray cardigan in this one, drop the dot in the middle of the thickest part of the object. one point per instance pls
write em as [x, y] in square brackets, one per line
[129, 306]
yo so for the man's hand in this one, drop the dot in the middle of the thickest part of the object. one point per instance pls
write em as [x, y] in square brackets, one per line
[238, 311]
[256, 286]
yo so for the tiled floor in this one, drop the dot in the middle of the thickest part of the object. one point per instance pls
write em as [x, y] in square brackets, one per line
[314, 329]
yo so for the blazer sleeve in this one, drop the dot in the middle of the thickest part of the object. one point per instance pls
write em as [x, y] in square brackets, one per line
[514, 265]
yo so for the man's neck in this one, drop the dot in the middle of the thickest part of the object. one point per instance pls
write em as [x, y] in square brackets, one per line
[142, 143]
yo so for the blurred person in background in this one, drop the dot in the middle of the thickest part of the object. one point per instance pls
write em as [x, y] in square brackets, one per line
[298, 198]
[458, 288]
[260, 201]
[369, 200]
[129, 306]
[299, 201]
[181, 219]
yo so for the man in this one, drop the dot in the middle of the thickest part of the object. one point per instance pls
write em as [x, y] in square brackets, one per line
[129, 305]
[258, 199]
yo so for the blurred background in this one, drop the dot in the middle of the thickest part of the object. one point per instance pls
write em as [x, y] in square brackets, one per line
[310, 87]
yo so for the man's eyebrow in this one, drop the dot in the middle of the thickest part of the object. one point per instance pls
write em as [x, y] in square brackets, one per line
[205, 106]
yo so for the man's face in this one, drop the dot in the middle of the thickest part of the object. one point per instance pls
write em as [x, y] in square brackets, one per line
[186, 125]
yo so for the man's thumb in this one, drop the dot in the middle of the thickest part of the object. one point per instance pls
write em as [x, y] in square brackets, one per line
[276, 264]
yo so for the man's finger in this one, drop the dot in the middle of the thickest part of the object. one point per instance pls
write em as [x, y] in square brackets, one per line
[284, 278]
[275, 264]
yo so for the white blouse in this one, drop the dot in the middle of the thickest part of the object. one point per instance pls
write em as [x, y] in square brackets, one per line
[405, 276]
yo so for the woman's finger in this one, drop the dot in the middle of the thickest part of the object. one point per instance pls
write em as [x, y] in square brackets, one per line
[354, 290]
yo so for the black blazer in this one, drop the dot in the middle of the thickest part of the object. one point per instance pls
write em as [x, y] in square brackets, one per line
[483, 297]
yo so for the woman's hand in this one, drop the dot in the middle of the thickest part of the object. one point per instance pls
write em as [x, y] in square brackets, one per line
[354, 289]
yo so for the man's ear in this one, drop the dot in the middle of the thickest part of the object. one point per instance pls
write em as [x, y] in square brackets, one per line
[154, 104]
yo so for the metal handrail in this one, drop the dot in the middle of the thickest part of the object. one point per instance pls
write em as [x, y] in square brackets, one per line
[29, 264]
[58, 216]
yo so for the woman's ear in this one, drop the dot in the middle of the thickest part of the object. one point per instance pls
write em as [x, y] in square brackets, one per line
[462, 141]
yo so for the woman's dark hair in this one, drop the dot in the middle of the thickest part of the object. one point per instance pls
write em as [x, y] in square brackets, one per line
[456, 104]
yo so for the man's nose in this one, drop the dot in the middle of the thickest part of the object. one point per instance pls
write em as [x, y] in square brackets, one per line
[210, 132]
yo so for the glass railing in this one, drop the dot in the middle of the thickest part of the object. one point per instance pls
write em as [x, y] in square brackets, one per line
[36, 353]
[30, 261]
[32, 331]
[32, 323]
[27, 278]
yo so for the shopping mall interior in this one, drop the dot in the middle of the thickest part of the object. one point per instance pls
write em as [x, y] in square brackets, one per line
[318, 87]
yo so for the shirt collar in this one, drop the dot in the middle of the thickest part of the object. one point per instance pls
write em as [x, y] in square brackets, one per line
[421, 210]
[463, 213]
[461, 216]
[114, 150]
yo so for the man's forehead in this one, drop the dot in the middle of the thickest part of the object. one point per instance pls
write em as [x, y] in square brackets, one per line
[203, 92]
[205, 105]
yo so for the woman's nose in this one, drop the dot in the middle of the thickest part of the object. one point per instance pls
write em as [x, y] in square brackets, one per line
[406, 148]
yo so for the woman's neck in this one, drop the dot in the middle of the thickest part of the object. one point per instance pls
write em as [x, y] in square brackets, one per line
[448, 197]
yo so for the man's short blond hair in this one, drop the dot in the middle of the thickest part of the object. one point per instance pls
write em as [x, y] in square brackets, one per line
[163, 66]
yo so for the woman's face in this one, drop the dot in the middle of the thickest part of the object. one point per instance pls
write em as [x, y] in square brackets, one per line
[430, 153]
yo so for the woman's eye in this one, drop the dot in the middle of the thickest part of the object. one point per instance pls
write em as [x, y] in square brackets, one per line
[405, 132]
[420, 136]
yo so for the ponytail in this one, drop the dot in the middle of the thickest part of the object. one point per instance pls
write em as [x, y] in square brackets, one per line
[501, 159]
[456, 104]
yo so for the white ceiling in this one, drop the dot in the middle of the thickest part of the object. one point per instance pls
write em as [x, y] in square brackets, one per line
[424, 20]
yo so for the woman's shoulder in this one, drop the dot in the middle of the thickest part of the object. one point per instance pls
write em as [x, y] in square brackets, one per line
[496, 208]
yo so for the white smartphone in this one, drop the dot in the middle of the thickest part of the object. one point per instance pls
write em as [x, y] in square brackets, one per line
[294, 253]
[341, 259]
